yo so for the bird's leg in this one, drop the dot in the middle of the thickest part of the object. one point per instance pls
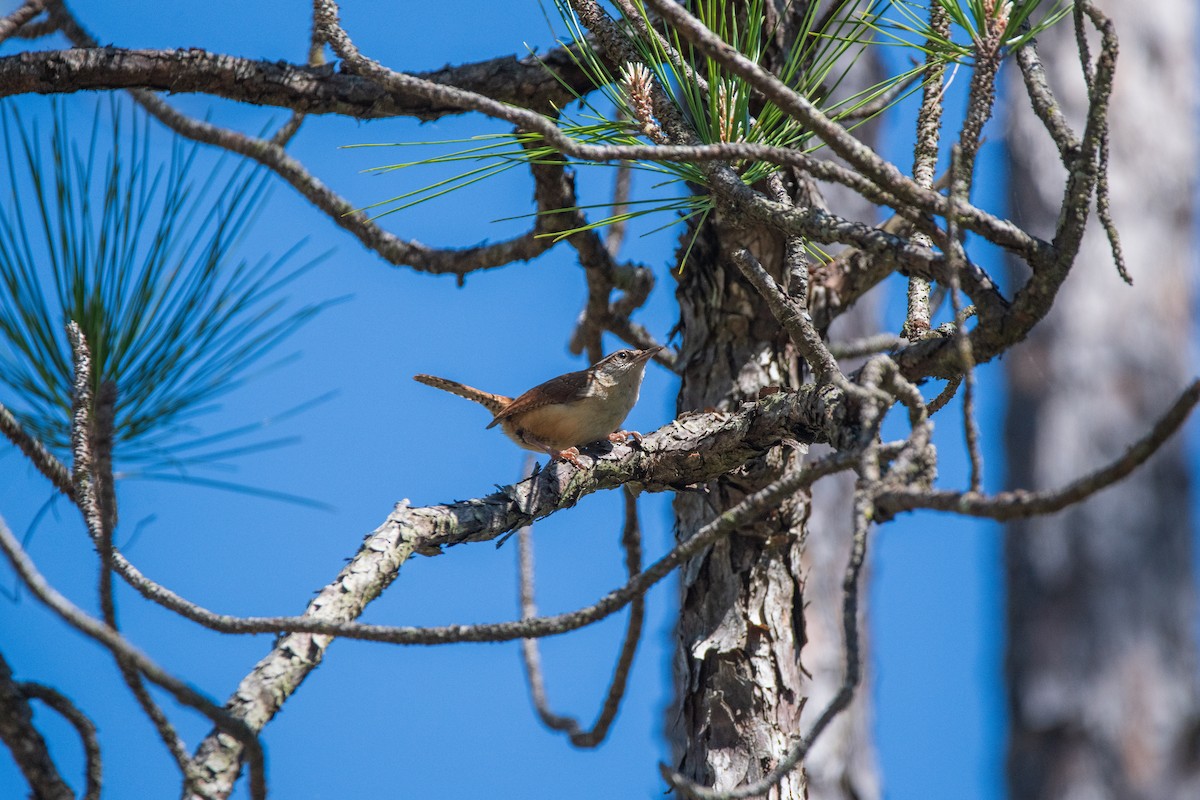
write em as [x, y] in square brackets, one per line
[570, 454]
[620, 437]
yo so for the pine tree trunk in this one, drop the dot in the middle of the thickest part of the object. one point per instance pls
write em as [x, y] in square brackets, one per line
[737, 667]
[745, 607]
[1101, 598]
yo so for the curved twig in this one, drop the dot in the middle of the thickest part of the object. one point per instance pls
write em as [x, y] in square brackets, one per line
[185, 694]
[84, 727]
[631, 543]
[1019, 504]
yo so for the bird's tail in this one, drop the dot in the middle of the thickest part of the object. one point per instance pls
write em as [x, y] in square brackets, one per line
[494, 403]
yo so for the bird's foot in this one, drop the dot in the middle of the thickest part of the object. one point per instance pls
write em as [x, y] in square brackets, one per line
[570, 454]
[620, 437]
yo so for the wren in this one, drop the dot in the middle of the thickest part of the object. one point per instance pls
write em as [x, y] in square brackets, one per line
[565, 413]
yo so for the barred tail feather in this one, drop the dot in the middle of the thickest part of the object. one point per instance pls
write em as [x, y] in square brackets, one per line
[492, 402]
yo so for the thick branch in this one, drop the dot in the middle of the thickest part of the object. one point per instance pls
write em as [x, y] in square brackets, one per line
[309, 90]
[693, 449]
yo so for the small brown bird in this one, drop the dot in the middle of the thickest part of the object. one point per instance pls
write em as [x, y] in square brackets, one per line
[565, 413]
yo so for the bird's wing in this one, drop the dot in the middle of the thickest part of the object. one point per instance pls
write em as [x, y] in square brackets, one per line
[558, 390]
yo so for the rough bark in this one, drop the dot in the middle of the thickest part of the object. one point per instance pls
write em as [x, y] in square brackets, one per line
[737, 666]
[308, 89]
[1101, 598]
[740, 686]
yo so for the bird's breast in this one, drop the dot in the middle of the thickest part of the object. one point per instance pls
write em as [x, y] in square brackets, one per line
[563, 425]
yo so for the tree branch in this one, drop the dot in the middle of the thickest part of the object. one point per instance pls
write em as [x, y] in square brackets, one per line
[1019, 504]
[298, 87]
[25, 742]
[13, 22]
[692, 449]
[93, 765]
[631, 543]
[118, 646]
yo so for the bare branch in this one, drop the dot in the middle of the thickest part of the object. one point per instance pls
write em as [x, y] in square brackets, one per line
[25, 13]
[959, 187]
[1045, 104]
[25, 742]
[41, 458]
[118, 646]
[1083, 169]
[178, 64]
[622, 186]
[945, 396]
[1050, 266]
[929, 121]
[91, 441]
[690, 450]
[262, 693]
[1020, 503]
[867, 346]
[273, 156]
[794, 318]
[879, 171]
[314, 89]
[631, 543]
[93, 765]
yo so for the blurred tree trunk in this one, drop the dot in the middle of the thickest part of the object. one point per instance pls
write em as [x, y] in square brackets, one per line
[843, 765]
[1101, 655]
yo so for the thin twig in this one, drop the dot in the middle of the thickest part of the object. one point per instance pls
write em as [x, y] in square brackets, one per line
[273, 156]
[1104, 211]
[929, 122]
[794, 318]
[896, 188]
[866, 163]
[25, 13]
[614, 236]
[37, 453]
[119, 647]
[632, 545]
[958, 189]
[946, 395]
[614, 601]
[26, 743]
[1045, 105]
[981, 96]
[866, 346]
[91, 442]
[1019, 504]
[93, 765]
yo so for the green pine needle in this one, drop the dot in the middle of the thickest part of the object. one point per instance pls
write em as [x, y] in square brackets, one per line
[719, 105]
[143, 257]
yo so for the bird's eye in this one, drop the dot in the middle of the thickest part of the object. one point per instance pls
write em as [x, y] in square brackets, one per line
[623, 355]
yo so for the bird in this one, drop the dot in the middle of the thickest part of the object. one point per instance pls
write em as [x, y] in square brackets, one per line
[565, 413]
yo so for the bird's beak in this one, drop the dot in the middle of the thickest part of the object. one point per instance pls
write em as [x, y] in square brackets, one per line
[647, 354]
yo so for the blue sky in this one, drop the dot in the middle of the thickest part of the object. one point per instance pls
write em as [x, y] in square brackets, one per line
[450, 721]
